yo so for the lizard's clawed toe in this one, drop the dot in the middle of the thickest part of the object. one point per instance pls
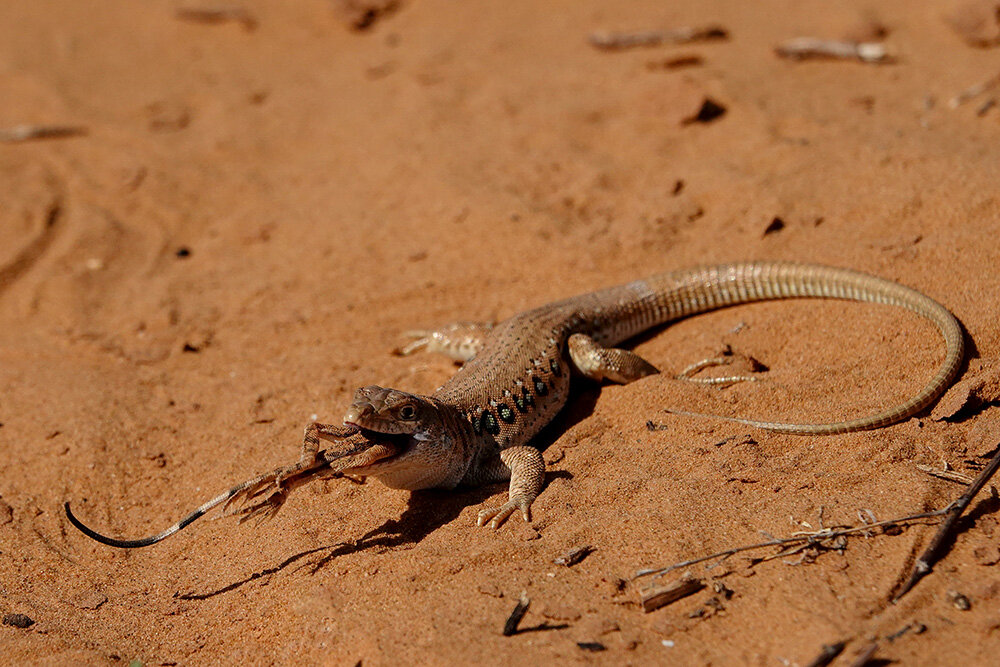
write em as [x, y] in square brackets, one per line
[496, 517]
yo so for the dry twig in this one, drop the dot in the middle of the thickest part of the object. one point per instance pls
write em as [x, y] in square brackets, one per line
[619, 41]
[803, 48]
[218, 15]
[660, 596]
[510, 626]
[974, 91]
[803, 540]
[828, 654]
[935, 550]
[943, 473]
[28, 132]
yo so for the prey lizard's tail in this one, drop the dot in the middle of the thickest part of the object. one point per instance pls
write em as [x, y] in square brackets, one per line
[279, 481]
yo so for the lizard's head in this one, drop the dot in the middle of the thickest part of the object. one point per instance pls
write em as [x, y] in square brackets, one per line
[412, 424]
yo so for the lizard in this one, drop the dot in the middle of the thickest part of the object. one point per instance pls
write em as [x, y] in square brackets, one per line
[515, 377]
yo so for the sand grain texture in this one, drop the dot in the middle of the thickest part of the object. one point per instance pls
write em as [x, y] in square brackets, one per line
[255, 216]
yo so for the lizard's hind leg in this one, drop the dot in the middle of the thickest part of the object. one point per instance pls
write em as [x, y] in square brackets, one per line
[460, 341]
[611, 363]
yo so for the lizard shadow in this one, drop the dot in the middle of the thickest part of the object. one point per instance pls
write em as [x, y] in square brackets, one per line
[426, 511]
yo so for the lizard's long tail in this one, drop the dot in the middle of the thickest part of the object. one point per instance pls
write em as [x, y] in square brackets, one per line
[682, 293]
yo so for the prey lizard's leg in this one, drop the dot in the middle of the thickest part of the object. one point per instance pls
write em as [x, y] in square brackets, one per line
[280, 482]
[460, 341]
[525, 468]
[599, 363]
[316, 432]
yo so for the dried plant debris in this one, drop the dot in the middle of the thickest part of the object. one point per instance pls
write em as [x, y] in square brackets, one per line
[827, 654]
[945, 534]
[510, 625]
[654, 597]
[959, 601]
[776, 225]
[974, 91]
[977, 22]
[20, 133]
[619, 41]
[218, 15]
[362, 15]
[678, 62]
[574, 555]
[593, 647]
[969, 393]
[945, 473]
[18, 621]
[808, 48]
[708, 111]
[825, 539]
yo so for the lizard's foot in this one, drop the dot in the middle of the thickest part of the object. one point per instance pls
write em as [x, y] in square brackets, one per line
[607, 363]
[460, 341]
[496, 517]
[751, 364]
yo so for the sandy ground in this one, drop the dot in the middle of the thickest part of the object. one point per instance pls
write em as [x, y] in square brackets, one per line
[259, 209]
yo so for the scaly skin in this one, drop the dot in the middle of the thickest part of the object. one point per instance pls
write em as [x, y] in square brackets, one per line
[477, 428]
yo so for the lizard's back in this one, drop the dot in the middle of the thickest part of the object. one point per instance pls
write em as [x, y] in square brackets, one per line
[520, 379]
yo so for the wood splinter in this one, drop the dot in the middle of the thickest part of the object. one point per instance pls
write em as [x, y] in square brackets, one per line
[510, 626]
[804, 48]
[654, 597]
[20, 133]
[619, 41]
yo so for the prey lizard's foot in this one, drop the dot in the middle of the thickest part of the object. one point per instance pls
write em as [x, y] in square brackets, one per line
[496, 517]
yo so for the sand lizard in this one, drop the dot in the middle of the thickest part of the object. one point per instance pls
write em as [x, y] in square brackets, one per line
[477, 428]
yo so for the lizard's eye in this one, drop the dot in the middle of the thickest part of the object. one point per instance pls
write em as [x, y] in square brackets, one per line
[407, 412]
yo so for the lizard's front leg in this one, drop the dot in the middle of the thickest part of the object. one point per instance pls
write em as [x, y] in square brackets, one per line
[460, 341]
[525, 468]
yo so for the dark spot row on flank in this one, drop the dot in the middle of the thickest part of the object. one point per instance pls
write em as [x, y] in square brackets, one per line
[485, 420]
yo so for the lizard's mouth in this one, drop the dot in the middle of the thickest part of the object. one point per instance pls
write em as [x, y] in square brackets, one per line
[400, 443]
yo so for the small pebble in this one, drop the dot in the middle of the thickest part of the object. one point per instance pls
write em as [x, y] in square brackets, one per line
[18, 620]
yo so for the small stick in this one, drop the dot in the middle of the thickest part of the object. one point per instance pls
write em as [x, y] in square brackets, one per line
[574, 556]
[986, 106]
[656, 597]
[827, 654]
[619, 41]
[803, 48]
[935, 550]
[950, 475]
[510, 627]
[807, 538]
[974, 91]
[28, 132]
[866, 654]
[217, 15]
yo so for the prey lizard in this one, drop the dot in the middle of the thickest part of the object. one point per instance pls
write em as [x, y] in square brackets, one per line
[477, 428]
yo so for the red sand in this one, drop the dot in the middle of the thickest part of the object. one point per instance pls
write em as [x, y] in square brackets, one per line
[256, 215]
